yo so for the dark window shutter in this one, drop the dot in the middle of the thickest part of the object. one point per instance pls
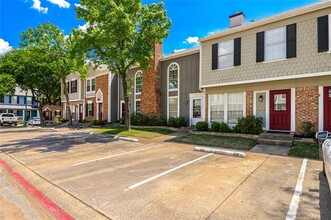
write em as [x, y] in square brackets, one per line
[9, 99]
[237, 52]
[323, 33]
[260, 47]
[92, 109]
[71, 82]
[214, 59]
[291, 40]
[86, 110]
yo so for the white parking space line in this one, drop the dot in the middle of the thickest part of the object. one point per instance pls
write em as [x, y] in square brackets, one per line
[111, 156]
[292, 211]
[166, 172]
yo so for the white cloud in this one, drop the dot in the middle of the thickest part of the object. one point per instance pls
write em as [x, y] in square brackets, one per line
[191, 40]
[4, 46]
[84, 27]
[178, 50]
[37, 5]
[60, 3]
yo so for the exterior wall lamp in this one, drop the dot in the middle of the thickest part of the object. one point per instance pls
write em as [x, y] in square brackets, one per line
[261, 98]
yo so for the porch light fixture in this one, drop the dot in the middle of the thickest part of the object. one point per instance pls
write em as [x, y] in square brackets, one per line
[261, 98]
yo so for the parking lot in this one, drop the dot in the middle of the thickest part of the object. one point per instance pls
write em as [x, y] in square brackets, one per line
[90, 175]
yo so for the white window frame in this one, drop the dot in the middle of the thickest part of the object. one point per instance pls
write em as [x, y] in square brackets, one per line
[89, 82]
[88, 111]
[266, 59]
[139, 73]
[168, 110]
[135, 105]
[225, 54]
[218, 103]
[171, 67]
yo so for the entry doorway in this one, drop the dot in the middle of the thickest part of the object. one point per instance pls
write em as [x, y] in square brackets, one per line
[196, 108]
[99, 111]
[122, 109]
[280, 110]
[81, 112]
[327, 108]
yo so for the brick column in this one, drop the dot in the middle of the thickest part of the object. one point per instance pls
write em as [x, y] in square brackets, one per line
[151, 93]
[249, 103]
[101, 83]
[306, 106]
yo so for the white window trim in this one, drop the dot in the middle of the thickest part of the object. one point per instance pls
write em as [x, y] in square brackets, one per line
[218, 55]
[135, 105]
[293, 109]
[267, 105]
[226, 107]
[197, 96]
[135, 81]
[273, 60]
[90, 78]
[168, 102]
[321, 108]
[178, 77]
[329, 33]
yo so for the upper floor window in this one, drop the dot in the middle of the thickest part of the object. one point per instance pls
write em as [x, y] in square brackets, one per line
[2, 98]
[138, 82]
[324, 33]
[74, 86]
[29, 100]
[90, 85]
[275, 44]
[13, 99]
[173, 70]
[226, 54]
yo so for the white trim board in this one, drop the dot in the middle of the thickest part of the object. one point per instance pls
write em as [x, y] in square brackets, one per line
[269, 79]
[320, 108]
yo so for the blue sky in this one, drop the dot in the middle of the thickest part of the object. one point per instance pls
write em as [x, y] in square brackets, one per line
[192, 19]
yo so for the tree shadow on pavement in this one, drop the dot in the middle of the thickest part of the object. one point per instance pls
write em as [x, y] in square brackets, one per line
[325, 198]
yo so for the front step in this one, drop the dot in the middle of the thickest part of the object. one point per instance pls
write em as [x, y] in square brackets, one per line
[276, 136]
[286, 143]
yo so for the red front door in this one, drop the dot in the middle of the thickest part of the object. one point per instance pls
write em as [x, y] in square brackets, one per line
[280, 110]
[327, 108]
[80, 112]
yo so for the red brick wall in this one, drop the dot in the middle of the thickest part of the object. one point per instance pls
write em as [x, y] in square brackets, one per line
[53, 108]
[249, 103]
[306, 106]
[151, 94]
[102, 84]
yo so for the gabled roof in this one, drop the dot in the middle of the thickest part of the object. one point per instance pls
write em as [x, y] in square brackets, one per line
[279, 17]
[181, 53]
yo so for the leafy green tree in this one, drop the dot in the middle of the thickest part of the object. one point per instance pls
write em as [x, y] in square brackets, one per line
[121, 33]
[31, 72]
[7, 84]
[60, 50]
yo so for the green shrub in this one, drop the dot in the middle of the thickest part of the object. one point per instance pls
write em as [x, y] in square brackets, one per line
[224, 128]
[202, 126]
[139, 119]
[20, 122]
[82, 121]
[215, 126]
[56, 120]
[98, 122]
[249, 125]
[177, 122]
[64, 120]
[308, 129]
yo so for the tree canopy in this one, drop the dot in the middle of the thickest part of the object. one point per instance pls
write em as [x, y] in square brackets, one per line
[121, 33]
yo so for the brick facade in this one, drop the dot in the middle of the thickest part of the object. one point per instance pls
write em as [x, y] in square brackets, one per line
[151, 94]
[249, 103]
[306, 106]
[102, 84]
[53, 108]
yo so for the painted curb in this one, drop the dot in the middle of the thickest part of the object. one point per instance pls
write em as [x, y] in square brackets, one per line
[125, 139]
[218, 151]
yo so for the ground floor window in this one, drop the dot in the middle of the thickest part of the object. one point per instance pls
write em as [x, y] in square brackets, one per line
[217, 107]
[228, 107]
[89, 110]
[138, 106]
[57, 113]
[173, 107]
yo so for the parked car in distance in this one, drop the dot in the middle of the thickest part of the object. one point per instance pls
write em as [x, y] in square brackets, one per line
[34, 121]
[326, 148]
[8, 118]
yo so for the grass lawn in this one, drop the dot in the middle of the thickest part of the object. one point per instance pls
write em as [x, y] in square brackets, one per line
[302, 149]
[135, 132]
[217, 141]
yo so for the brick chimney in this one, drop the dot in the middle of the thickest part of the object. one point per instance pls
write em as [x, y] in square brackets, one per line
[237, 19]
[151, 89]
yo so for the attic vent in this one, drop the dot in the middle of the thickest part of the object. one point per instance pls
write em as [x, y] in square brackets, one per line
[237, 19]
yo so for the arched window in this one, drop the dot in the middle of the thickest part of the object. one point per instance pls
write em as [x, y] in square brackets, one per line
[173, 70]
[138, 82]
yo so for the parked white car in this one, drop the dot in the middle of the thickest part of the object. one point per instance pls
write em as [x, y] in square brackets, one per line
[8, 118]
[34, 121]
[326, 148]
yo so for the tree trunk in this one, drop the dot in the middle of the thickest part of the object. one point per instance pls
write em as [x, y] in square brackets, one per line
[40, 110]
[68, 110]
[127, 104]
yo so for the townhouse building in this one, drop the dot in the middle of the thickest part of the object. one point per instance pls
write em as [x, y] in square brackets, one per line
[17, 103]
[278, 68]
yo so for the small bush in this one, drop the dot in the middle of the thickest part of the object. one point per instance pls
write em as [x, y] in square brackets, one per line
[308, 129]
[20, 122]
[177, 122]
[56, 120]
[82, 121]
[202, 126]
[215, 126]
[224, 128]
[98, 122]
[64, 120]
[249, 125]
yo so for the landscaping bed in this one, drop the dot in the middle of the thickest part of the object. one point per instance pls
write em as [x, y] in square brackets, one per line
[218, 141]
[148, 133]
[304, 149]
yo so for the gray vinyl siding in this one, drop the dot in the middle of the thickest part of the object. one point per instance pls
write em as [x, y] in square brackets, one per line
[188, 82]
